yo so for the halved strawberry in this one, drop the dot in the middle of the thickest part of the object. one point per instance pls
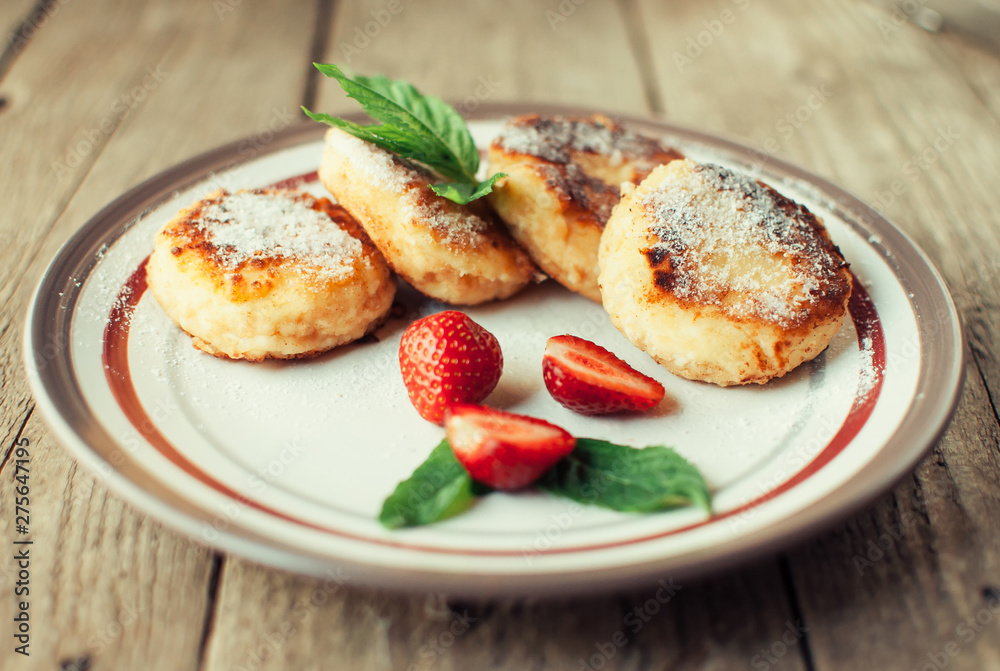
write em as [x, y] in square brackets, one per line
[590, 380]
[447, 358]
[504, 450]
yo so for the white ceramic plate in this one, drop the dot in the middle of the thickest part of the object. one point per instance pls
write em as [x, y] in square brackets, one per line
[288, 463]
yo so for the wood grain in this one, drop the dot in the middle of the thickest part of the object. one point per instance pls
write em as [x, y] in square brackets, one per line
[19, 21]
[893, 102]
[308, 623]
[101, 566]
[103, 585]
[56, 130]
[519, 53]
[917, 565]
[112, 589]
[12, 16]
[153, 93]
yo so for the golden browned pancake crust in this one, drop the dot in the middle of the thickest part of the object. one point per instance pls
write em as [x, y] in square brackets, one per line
[721, 278]
[459, 254]
[563, 178]
[269, 274]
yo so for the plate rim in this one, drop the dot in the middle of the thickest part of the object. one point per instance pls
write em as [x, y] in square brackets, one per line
[893, 461]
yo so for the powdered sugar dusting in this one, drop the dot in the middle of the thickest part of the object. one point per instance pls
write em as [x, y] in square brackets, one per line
[554, 138]
[375, 164]
[725, 239]
[452, 223]
[252, 225]
[869, 372]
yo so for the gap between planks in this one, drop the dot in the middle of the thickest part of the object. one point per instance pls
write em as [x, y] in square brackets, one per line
[17, 42]
[986, 386]
[317, 49]
[208, 626]
[17, 437]
[320, 39]
[638, 39]
[795, 608]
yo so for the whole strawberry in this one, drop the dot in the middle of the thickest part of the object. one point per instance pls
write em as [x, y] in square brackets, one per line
[446, 359]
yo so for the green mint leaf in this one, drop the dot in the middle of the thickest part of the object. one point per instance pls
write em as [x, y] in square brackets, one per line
[439, 488]
[627, 479]
[435, 114]
[357, 130]
[415, 126]
[392, 139]
[466, 193]
[399, 141]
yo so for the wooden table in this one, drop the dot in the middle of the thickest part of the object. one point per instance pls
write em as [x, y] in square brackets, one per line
[97, 95]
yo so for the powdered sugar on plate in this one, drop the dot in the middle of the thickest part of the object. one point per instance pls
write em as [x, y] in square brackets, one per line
[869, 371]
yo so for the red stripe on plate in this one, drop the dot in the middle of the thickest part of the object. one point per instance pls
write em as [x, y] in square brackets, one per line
[116, 367]
[297, 181]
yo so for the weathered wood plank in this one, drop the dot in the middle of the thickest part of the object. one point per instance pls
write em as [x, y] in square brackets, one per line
[12, 16]
[103, 579]
[34, 140]
[301, 622]
[944, 569]
[81, 110]
[149, 103]
[859, 119]
[498, 51]
[154, 100]
[19, 21]
[978, 69]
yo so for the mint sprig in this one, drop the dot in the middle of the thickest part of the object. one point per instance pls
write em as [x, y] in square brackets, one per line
[627, 479]
[596, 472]
[437, 490]
[415, 126]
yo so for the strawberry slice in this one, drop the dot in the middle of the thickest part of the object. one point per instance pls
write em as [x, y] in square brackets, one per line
[447, 358]
[590, 380]
[504, 450]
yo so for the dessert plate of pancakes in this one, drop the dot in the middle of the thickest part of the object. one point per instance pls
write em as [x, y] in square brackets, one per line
[285, 456]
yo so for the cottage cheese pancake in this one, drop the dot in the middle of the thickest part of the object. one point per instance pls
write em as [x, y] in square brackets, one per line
[563, 178]
[269, 274]
[721, 278]
[459, 254]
